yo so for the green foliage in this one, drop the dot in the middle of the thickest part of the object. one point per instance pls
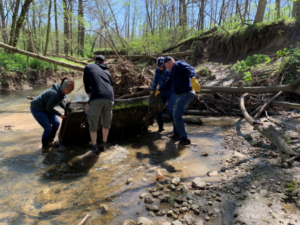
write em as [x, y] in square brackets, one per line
[172, 199]
[291, 186]
[245, 67]
[289, 60]
[21, 63]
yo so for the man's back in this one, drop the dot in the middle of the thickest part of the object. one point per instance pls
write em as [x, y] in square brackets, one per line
[97, 81]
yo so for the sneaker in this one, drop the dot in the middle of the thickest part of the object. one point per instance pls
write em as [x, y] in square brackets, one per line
[161, 130]
[102, 147]
[185, 142]
[173, 136]
[95, 150]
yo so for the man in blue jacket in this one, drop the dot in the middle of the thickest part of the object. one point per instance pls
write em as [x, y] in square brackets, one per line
[161, 77]
[183, 79]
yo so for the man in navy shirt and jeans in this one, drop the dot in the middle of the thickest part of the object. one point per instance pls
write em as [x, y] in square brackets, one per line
[185, 84]
[161, 77]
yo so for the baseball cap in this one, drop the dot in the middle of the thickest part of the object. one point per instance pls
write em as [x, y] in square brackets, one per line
[160, 61]
[101, 57]
[167, 59]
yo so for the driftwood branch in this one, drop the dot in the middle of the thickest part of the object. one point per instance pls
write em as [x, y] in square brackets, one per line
[266, 105]
[40, 57]
[84, 219]
[269, 132]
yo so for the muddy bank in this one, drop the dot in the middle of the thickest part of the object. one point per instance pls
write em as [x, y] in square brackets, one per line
[17, 81]
[253, 39]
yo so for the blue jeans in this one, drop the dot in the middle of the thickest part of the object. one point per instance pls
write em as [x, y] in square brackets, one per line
[182, 102]
[171, 101]
[48, 121]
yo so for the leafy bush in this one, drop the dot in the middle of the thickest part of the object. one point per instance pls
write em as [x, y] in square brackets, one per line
[245, 67]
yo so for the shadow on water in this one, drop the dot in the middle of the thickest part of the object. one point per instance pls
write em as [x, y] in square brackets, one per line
[70, 162]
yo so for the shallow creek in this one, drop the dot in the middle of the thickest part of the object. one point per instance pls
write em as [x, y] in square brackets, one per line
[34, 183]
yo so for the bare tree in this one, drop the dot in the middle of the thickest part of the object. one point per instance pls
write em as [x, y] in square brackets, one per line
[296, 8]
[3, 25]
[48, 28]
[80, 28]
[56, 30]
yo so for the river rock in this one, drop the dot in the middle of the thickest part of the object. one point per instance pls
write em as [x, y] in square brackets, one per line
[162, 223]
[156, 194]
[223, 169]
[144, 221]
[172, 187]
[189, 219]
[184, 189]
[176, 222]
[184, 209]
[151, 213]
[176, 205]
[159, 187]
[176, 180]
[153, 208]
[189, 196]
[236, 190]
[198, 222]
[143, 195]
[104, 208]
[237, 155]
[263, 193]
[199, 183]
[148, 200]
[128, 222]
[171, 213]
[129, 180]
[212, 173]
[180, 199]
[217, 210]
[207, 218]
[198, 192]
[11, 217]
[185, 204]
[52, 208]
[165, 198]
[204, 154]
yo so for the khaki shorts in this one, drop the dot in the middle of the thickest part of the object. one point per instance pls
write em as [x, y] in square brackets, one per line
[99, 107]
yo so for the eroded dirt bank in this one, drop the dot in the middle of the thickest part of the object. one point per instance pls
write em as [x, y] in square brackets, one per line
[17, 81]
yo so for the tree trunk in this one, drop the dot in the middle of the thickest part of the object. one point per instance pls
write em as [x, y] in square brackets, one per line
[4, 32]
[34, 18]
[296, 8]
[48, 28]
[80, 28]
[245, 13]
[202, 15]
[149, 18]
[20, 21]
[278, 9]
[13, 22]
[259, 17]
[71, 26]
[56, 30]
[66, 28]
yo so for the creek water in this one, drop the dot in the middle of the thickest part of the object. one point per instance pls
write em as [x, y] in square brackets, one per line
[53, 187]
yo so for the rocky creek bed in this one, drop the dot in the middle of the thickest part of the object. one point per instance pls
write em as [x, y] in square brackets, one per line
[256, 187]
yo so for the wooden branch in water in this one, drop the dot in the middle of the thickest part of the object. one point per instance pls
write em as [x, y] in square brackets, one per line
[84, 219]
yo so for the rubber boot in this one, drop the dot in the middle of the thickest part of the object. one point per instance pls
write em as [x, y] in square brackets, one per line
[45, 143]
[160, 123]
[52, 136]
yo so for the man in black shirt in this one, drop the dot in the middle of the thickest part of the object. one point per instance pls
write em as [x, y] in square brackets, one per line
[98, 86]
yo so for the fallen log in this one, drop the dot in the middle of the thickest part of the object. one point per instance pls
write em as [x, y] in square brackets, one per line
[290, 88]
[269, 132]
[40, 57]
[285, 105]
[191, 39]
[154, 56]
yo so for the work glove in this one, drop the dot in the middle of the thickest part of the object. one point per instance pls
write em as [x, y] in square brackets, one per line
[157, 93]
[195, 85]
[151, 92]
